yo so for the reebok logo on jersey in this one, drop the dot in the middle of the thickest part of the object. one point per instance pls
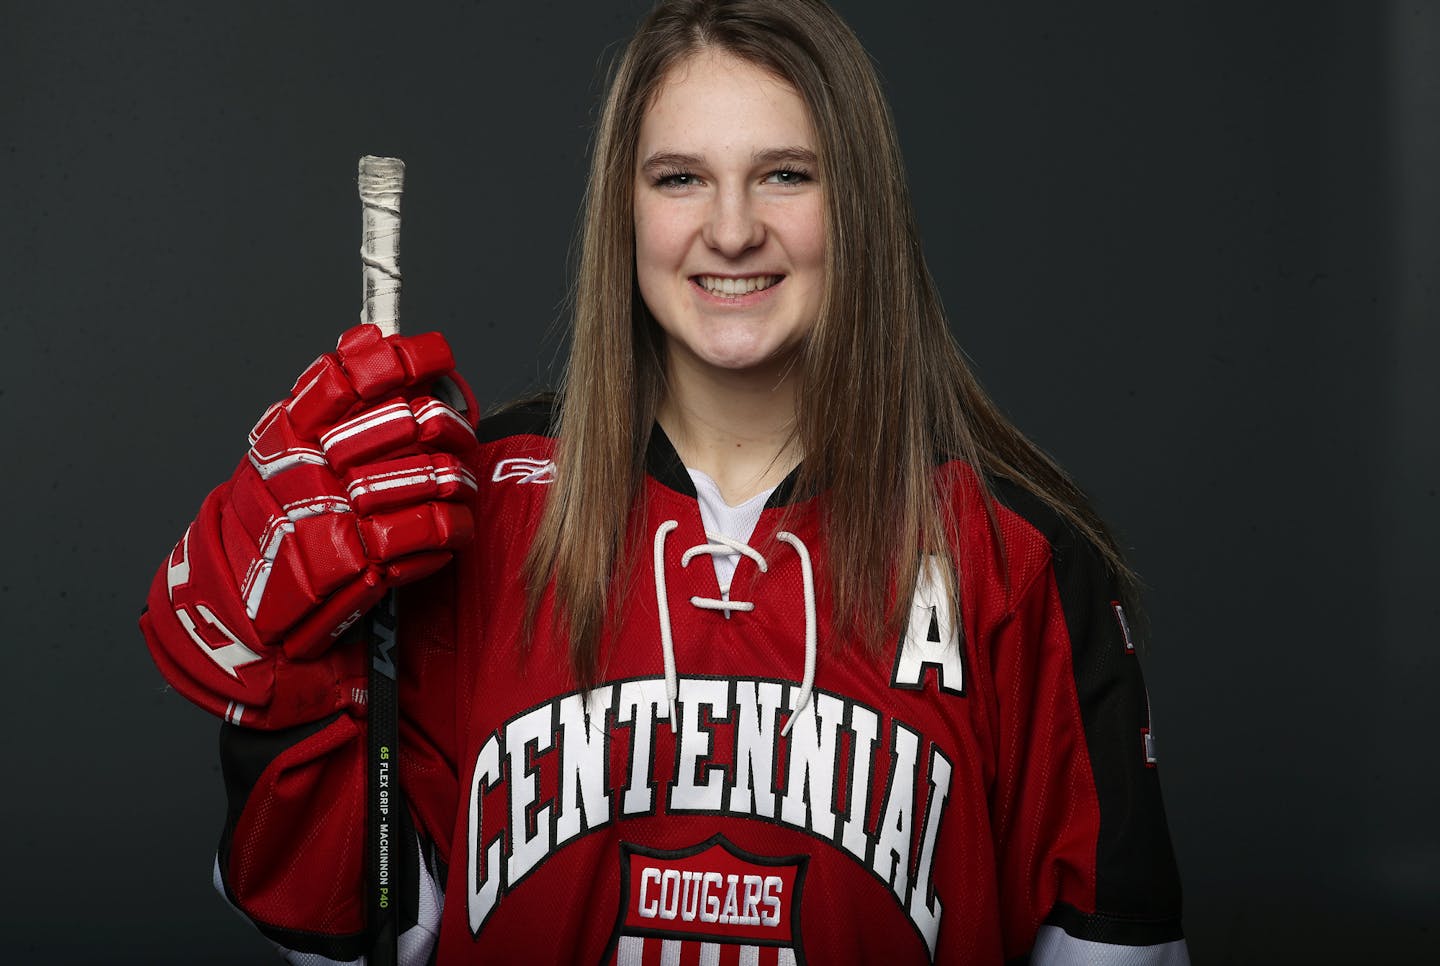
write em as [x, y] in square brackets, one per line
[694, 902]
[524, 470]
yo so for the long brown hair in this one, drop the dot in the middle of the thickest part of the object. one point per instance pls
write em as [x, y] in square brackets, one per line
[883, 387]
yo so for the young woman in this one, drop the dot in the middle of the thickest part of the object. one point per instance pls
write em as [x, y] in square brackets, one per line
[768, 640]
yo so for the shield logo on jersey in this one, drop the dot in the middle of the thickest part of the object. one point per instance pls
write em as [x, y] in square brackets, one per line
[710, 904]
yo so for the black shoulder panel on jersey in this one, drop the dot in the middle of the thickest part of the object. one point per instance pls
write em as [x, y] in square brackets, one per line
[528, 417]
[1137, 884]
[1033, 510]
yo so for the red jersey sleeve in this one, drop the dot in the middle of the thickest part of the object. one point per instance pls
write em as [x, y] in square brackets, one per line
[292, 854]
[1081, 838]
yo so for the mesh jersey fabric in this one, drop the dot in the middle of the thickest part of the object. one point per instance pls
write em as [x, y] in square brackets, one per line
[983, 776]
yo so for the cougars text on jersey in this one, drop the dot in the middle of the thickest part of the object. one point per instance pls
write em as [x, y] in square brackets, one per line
[867, 785]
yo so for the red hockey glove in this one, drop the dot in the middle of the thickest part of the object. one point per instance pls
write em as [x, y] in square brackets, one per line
[355, 483]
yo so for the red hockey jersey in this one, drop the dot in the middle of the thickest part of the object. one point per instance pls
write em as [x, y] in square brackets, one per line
[986, 783]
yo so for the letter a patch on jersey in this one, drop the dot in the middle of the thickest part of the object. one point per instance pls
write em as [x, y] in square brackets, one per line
[711, 903]
[932, 637]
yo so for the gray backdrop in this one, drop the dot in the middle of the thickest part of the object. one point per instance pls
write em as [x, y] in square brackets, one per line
[1190, 247]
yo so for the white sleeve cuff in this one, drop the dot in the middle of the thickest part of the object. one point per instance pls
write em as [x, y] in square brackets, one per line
[1055, 947]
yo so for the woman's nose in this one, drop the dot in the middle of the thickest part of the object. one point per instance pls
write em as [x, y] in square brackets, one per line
[733, 225]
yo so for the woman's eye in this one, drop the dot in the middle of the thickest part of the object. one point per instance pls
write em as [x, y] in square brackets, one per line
[788, 176]
[675, 179]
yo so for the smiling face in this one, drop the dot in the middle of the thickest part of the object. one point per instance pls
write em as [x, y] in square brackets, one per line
[729, 217]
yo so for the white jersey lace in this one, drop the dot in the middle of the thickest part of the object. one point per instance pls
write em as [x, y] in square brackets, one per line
[725, 550]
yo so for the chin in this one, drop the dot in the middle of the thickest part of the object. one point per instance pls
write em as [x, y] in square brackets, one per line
[750, 359]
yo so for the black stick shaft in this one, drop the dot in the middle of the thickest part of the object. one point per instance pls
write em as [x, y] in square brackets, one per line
[381, 182]
[384, 775]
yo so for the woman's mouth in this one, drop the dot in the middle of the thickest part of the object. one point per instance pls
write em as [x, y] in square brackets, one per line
[723, 287]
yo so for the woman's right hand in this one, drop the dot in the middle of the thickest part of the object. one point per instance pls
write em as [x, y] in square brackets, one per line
[355, 483]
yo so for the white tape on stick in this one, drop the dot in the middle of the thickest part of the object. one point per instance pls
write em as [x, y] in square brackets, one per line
[381, 182]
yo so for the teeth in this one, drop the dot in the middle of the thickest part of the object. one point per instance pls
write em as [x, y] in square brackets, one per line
[734, 287]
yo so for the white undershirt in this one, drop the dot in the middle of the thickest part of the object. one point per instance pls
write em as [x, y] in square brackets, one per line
[735, 522]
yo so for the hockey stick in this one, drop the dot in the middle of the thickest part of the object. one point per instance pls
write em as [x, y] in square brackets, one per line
[381, 182]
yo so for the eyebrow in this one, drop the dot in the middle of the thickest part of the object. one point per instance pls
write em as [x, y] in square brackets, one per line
[670, 159]
[798, 155]
[675, 159]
